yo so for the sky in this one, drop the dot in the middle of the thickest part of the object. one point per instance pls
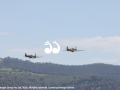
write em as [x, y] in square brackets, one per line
[89, 25]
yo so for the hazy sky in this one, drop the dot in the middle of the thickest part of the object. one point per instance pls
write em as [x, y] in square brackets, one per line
[91, 25]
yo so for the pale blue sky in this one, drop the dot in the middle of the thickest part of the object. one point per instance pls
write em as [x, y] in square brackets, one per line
[91, 25]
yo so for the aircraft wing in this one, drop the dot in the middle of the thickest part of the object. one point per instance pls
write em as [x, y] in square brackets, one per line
[79, 50]
[38, 56]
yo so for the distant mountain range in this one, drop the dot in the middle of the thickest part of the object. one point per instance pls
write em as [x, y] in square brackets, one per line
[99, 69]
[17, 73]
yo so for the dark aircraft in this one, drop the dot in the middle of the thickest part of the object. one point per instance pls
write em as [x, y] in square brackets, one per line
[31, 56]
[72, 49]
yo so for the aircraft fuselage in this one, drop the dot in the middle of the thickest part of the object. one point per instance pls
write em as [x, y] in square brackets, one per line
[30, 56]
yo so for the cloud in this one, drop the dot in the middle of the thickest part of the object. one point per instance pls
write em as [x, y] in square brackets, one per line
[3, 33]
[107, 44]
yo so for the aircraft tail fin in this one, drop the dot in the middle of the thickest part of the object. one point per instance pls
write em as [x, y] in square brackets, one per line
[67, 48]
[25, 54]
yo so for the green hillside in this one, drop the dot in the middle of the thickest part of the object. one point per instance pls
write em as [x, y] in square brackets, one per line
[19, 73]
[99, 69]
[16, 78]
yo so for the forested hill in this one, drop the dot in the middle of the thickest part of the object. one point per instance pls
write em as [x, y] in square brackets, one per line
[20, 78]
[50, 68]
